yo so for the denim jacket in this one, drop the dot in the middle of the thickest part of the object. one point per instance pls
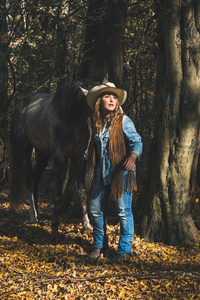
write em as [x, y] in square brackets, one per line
[103, 164]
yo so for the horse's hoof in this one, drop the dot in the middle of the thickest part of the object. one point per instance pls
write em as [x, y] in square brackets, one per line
[33, 221]
[54, 230]
[87, 227]
[86, 223]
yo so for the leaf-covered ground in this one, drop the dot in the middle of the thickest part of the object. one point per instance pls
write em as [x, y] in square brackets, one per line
[36, 265]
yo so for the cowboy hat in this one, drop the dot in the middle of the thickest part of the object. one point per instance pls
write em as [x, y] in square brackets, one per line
[98, 90]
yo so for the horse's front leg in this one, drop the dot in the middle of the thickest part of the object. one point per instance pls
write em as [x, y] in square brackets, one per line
[33, 209]
[82, 193]
[33, 212]
[83, 200]
[57, 173]
[30, 186]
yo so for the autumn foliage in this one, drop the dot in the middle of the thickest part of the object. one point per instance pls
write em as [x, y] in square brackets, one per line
[36, 265]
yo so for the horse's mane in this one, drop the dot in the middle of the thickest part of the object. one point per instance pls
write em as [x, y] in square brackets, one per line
[69, 102]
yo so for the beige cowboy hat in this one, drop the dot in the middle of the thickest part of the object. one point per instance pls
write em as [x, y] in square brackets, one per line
[98, 90]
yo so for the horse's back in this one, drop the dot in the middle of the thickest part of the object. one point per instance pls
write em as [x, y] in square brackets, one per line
[31, 120]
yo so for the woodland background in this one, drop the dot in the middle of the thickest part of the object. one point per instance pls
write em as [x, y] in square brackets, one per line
[46, 47]
[42, 46]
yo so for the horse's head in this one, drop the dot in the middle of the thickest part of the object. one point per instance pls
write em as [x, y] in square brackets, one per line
[70, 101]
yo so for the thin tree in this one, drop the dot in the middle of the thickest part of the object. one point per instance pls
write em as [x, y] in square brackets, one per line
[3, 91]
[3, 57]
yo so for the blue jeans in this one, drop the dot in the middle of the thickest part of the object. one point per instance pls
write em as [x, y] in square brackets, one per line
[97, 205]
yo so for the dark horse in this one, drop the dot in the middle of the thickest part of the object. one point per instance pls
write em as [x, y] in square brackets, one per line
[56, 126]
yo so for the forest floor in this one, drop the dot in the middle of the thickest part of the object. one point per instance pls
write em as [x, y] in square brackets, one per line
[36, 265]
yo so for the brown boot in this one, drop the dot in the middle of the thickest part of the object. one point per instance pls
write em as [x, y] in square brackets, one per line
[119, 258]
[96, 253]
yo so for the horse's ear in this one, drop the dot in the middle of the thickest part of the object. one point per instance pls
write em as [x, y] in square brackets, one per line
[105, 80]
[85, 92]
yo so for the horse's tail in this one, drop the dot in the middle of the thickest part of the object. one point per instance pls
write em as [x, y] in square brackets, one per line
[16, 169]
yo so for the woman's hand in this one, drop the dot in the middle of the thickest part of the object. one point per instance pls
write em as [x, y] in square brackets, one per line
[129, 163]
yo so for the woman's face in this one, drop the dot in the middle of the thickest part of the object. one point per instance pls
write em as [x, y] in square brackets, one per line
[108, 102]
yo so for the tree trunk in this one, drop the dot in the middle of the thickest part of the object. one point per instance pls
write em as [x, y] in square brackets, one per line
[61, 45]
[3, 57]
[104, 49]
[166, 215]
[3, 92]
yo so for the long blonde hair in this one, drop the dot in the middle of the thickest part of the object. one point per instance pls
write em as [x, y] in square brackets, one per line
[98, 118]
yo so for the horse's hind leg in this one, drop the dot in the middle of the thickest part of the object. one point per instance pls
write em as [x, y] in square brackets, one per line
[29, 183]
[40, 166]
[57, 174]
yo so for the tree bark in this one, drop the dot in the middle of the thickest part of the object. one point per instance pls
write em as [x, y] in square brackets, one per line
[3, 92]
[166, 215]
[104, 35]
[3, 58]
[61, 46]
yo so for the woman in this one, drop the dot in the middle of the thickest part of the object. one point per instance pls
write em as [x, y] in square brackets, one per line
[117, 145]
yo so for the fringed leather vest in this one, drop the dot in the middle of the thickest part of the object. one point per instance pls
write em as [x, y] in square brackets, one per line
[119, 151]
